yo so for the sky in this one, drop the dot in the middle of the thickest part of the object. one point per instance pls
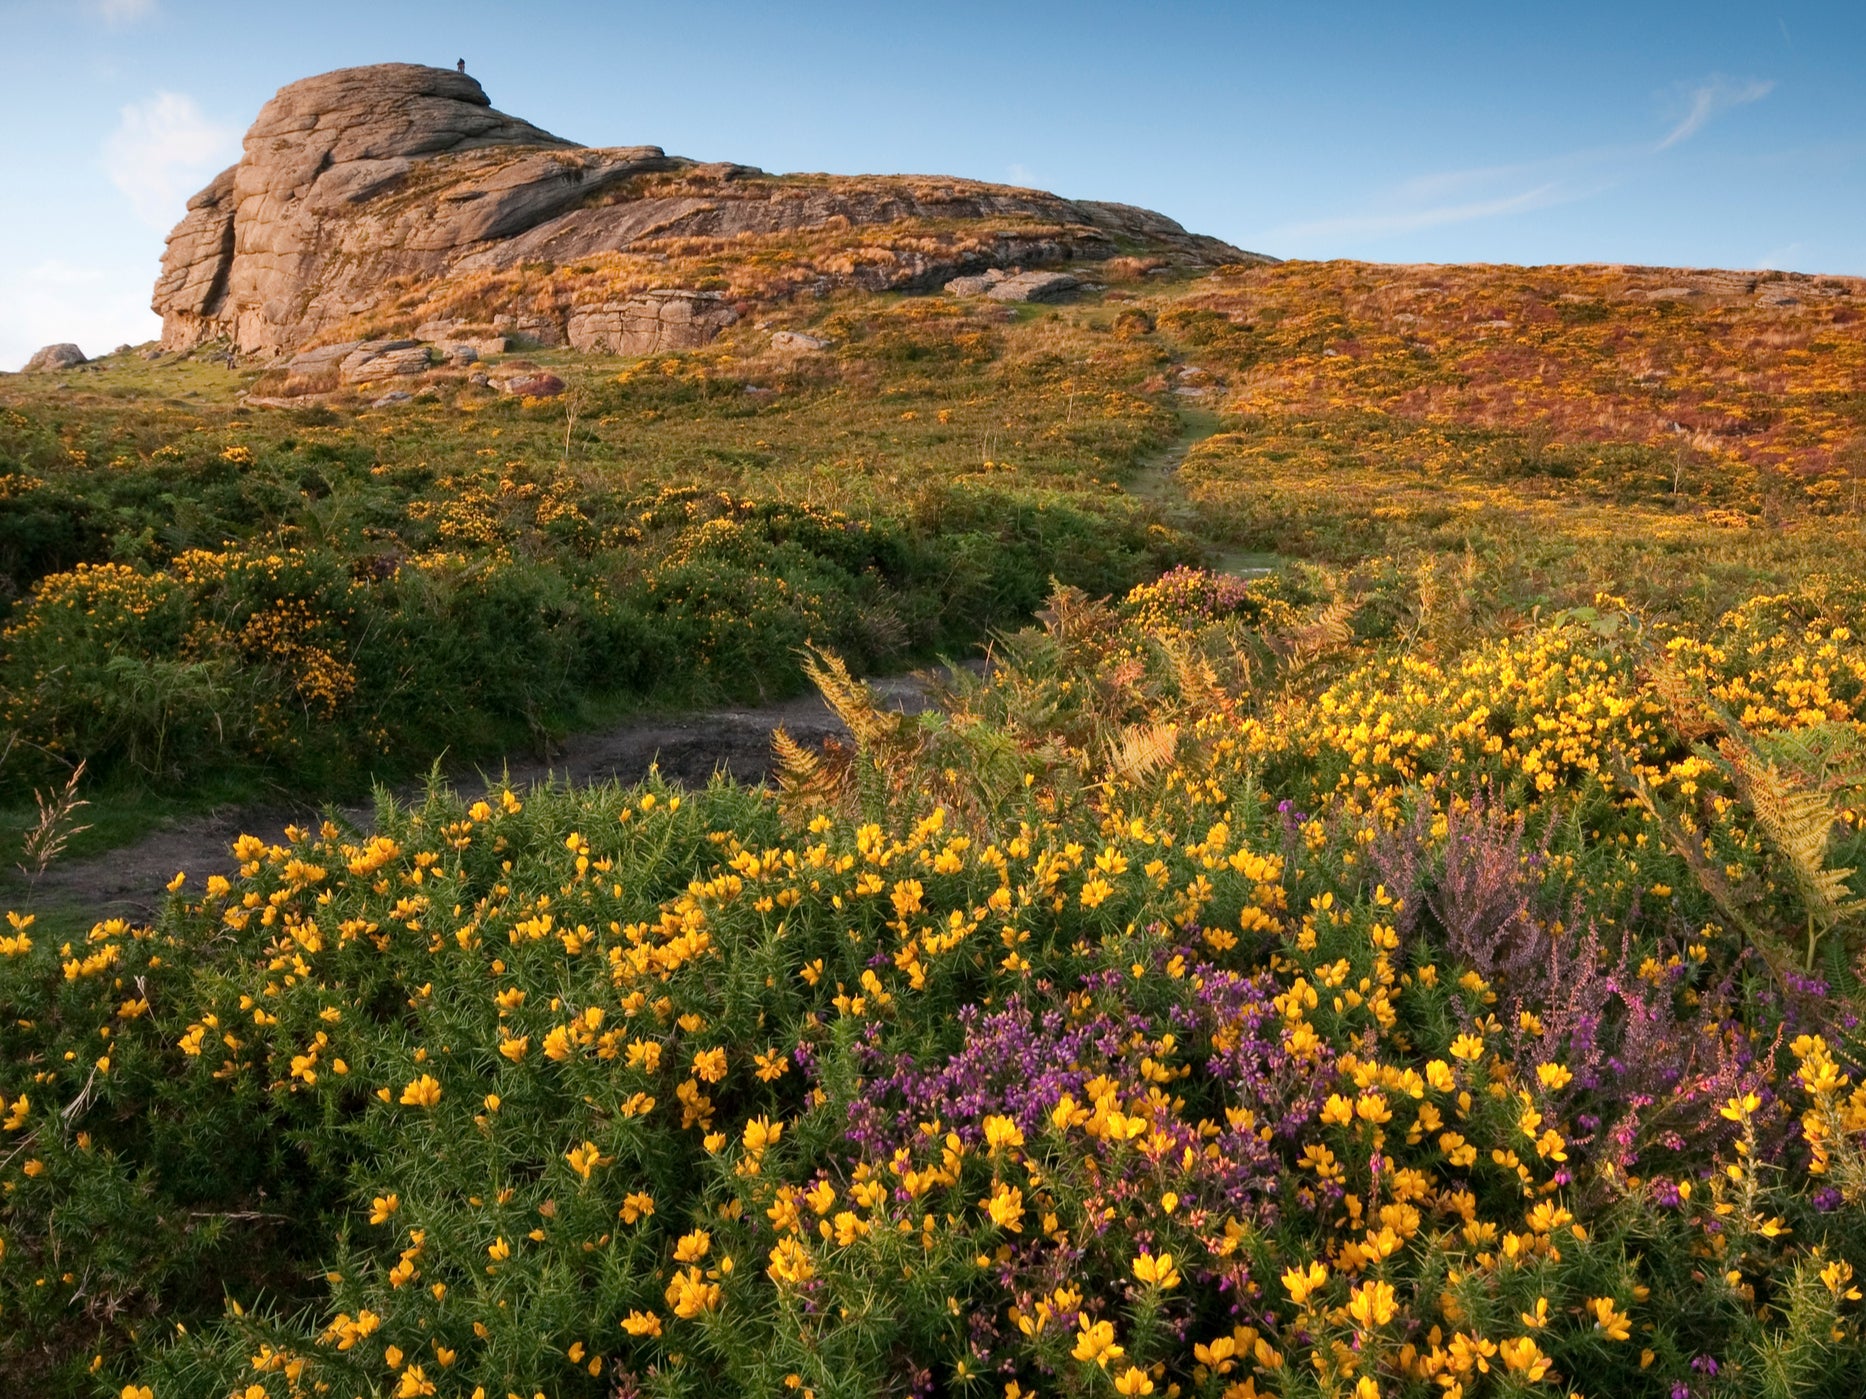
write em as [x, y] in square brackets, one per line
[1693, 134]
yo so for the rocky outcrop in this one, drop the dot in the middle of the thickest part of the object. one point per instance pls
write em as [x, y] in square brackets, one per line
[360, 187]
[54, 357]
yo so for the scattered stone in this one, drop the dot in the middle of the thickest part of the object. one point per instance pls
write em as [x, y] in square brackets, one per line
[796, 342]
[540, 385]
[391, 397]
[1034, 286]
[481, 380]
[651, 323]
[153, 355]
[53, 358]
[460, 355]
[123, 349]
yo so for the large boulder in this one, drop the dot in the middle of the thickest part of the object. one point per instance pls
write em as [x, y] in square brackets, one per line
[55, 357]
[651, 323]
[357, 187]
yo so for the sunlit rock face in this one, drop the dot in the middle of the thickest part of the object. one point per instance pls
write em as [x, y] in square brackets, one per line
[359, 189]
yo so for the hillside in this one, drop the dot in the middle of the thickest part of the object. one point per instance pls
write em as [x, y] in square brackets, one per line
[1386, 922]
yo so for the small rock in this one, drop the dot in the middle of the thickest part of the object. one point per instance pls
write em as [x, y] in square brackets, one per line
[392, 396]
[123, 349]
[1034, 286]
[796, 342]
[460, 355]
[481, 380]
[53, 358]
[541, 385]
[152, 355]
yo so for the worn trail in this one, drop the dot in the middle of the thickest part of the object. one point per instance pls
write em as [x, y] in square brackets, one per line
[687, 749]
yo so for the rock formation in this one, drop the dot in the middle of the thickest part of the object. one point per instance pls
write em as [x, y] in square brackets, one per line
[369, 197]
[55, 357]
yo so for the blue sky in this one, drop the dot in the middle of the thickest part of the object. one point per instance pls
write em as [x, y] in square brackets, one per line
[1680, 134]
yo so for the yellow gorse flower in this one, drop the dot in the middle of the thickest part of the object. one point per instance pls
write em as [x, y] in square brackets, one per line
[690, 1295]
[1615, 1325]
[1095, 1343]
[586, 1158]
[1372, 1305]
[1302, 1282]
[1156, 1270]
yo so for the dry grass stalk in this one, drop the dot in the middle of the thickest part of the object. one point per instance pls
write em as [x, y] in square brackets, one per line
[53, 831]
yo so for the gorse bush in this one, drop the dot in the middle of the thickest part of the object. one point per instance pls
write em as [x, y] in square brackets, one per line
[1135, 1024]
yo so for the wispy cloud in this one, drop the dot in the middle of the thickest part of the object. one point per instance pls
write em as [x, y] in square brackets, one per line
[1707, 99]
[1446, 197]
[1375, 225]
[1781, 258]
[162, 151]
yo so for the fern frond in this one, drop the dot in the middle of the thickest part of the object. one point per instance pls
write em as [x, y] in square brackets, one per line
[1328, 631]
[1143, 749]
[853, 702]
[796, 764]
[1199, 688]
[1799, 822]
[1684, 705]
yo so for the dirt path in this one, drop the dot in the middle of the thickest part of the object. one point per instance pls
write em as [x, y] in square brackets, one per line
[1158, 481]
[688, 748]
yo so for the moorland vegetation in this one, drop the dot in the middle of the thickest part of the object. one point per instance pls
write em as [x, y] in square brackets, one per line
[1430, 967]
